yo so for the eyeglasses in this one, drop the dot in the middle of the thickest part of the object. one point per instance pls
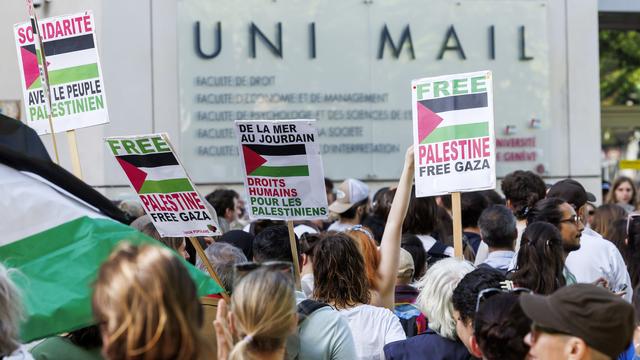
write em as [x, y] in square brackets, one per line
[537, 329]
[242, 269]
[573, 219]
[487, 293]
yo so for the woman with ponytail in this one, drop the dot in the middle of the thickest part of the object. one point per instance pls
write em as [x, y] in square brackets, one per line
[262, 316]
[522, 190]
[540, 259]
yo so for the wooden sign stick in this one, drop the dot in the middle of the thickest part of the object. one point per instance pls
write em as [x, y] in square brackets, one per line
[456, 214]
[294, 254]
[44, 73]
[210, 269]
[75, 155]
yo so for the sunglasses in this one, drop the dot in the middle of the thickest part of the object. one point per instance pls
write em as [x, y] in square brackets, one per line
[487, 293]
[363, 230]
[242, 269]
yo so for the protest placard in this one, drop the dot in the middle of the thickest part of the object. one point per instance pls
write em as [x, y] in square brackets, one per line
[74, 73]
[284, 176]
[166, 192]
[453, 133]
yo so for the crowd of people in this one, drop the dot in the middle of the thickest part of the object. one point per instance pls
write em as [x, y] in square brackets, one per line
[544, 275]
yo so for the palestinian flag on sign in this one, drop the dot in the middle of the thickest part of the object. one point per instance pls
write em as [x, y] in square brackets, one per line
[447, 118]
[57, 231]
[69, 60]
[155, 173]
[275, 160]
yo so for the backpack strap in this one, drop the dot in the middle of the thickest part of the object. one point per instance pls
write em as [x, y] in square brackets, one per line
[308, 306]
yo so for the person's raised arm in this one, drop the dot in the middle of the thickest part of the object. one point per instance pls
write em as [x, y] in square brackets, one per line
[390, 243]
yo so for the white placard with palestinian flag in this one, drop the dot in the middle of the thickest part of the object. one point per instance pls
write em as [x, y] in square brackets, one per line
[163, 186]
[453, 133]
[284, 176]
[75, 77]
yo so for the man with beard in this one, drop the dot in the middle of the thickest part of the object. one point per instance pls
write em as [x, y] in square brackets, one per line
[595, 258]
[560, 214]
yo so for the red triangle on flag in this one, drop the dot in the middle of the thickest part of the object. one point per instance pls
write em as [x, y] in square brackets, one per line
[427, 121]
[252, 160]
[29, 67]
[135, 175]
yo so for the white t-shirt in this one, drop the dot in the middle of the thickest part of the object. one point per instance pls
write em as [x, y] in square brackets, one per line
[372, 328]
[306, 282]
[599, 257]
[428, 241]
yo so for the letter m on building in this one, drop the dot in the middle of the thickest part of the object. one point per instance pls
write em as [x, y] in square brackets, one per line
[396, 50]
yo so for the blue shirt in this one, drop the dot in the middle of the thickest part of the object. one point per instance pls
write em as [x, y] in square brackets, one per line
[500, 259]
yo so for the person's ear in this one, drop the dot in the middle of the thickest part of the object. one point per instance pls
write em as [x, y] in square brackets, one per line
[228, 213]
[304, 258]
[475, 347]
[575, 348]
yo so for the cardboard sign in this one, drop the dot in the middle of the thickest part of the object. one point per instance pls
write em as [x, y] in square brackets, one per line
[166, 192]
[284, 176]
[453, 133]
[75, 76]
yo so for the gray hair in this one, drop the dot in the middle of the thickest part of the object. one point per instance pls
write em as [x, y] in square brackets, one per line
[498, 226]
[436, 290]
[11, 310]
[223, 257]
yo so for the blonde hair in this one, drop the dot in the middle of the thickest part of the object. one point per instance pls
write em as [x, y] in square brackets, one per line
[264, 309]
[11, 310]
[436, 290]
[147, 306]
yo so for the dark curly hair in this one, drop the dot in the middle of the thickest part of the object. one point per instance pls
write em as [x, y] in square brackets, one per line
[466, 293]
[500, 327]
[523, 189]
[338, 272]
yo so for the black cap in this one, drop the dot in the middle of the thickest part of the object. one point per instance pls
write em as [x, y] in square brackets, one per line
[571, 191]
[603, 320]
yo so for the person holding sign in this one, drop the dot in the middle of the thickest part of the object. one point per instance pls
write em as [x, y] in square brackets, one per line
[341, 281]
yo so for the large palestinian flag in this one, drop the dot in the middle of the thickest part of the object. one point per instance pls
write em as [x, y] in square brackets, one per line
[453, 118]
[275, 160]
[56, 232]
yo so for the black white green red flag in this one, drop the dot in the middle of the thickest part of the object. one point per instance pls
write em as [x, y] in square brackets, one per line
[73, 66]
[56, 232]
[284, 176]
[164, 188]
[453, 132]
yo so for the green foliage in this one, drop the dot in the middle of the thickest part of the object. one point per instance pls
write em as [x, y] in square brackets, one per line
[619, 67]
